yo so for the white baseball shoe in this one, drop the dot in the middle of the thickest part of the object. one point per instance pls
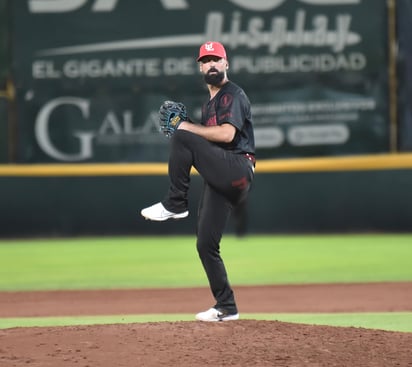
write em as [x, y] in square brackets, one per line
[159, 213]
[214, 314]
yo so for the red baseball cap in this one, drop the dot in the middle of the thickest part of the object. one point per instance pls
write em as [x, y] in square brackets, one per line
[212, 49]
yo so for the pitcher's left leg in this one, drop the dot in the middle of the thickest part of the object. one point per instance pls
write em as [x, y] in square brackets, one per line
[214, 212]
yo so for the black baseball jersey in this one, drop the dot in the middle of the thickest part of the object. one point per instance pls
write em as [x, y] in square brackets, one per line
[231, 105]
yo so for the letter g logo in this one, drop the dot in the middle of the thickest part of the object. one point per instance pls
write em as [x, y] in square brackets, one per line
[42, 130]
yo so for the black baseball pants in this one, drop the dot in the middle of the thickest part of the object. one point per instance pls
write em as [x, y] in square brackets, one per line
[227, 179]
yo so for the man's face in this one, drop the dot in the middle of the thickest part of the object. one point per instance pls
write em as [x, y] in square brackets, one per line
[213, 69]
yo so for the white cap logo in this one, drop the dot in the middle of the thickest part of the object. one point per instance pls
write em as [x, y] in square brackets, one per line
[209, 46]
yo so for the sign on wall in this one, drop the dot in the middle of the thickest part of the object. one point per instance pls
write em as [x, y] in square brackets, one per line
[4, 51]
[404, 19]
[97, 71]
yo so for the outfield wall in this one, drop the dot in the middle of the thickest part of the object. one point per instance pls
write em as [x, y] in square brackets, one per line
[345, 194]
[3, 130]
[404, 49]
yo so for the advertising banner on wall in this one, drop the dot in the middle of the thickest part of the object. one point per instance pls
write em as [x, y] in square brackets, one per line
[404, 21]
[3, 77]
[4, 52]
[84, 126]
[315, 71]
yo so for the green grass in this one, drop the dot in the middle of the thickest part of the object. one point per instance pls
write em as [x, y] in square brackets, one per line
[141, 262]
[395, 321]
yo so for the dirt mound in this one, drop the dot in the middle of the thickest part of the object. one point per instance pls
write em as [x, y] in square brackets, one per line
[236, 343]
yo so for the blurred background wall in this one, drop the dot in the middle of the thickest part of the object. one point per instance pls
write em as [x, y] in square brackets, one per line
[404, 62]
[82, 82]
[4, 73]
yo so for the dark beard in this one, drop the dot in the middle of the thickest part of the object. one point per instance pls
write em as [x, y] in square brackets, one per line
[214, 79]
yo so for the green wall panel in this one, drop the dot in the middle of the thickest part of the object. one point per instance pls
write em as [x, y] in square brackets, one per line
[279, 203]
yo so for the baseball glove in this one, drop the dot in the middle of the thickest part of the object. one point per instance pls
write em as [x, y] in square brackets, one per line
[171, 114]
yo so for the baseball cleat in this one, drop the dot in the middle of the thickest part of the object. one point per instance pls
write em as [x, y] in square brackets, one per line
[159, 213]
[214, 314]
